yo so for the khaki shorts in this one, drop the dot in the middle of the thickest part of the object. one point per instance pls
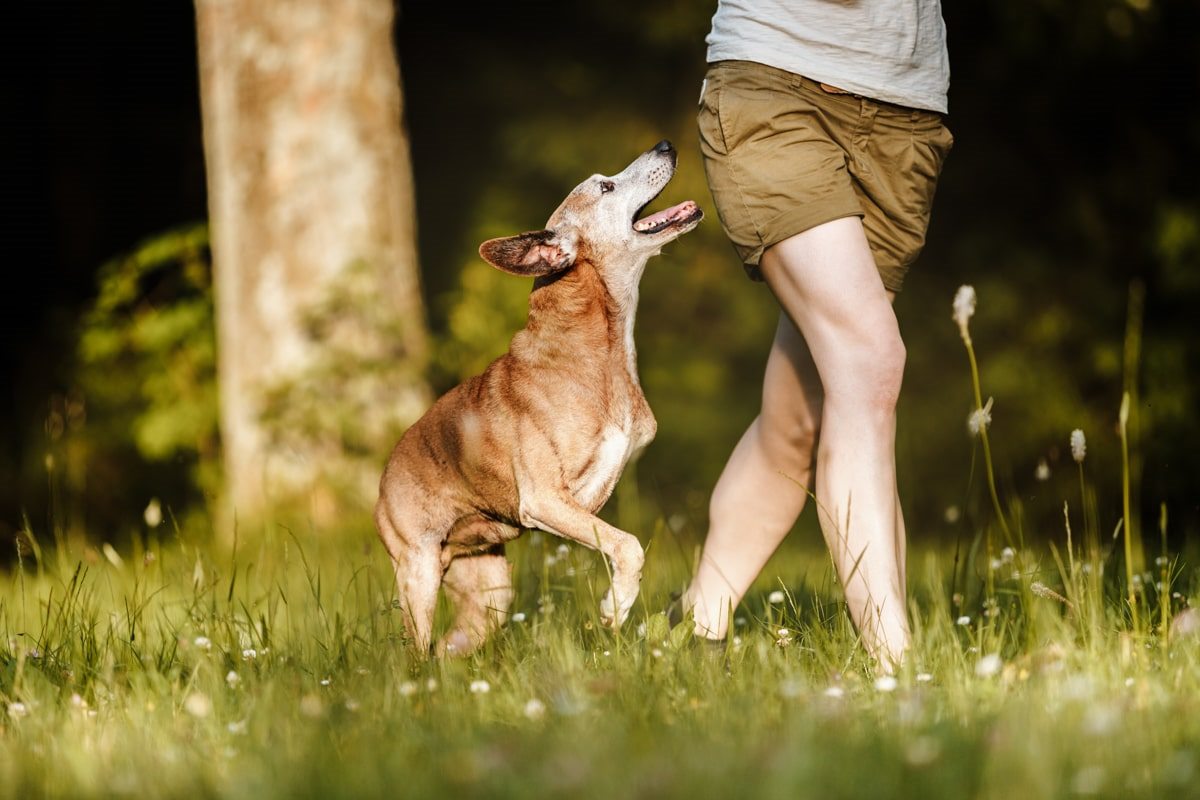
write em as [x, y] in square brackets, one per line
[783, 155]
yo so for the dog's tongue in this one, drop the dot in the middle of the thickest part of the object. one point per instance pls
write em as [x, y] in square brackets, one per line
[666, 216]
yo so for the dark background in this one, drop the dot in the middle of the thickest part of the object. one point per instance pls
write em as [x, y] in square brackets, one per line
[1074, 172]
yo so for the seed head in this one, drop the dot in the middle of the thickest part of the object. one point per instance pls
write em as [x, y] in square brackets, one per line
[980, 418]
[964, 309]
[1078, 445]
[1042, 473]
[153, 513]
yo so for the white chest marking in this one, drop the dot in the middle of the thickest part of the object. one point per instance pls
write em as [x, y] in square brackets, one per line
[611, 455]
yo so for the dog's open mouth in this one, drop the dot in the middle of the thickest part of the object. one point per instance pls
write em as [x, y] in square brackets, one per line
[673, 217]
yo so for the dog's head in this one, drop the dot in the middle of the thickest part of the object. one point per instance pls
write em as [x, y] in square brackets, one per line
[599, 221]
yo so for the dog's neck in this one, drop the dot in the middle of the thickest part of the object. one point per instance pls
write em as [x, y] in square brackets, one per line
[568, 312]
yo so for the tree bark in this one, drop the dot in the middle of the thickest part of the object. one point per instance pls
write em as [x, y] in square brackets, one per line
[320, 326]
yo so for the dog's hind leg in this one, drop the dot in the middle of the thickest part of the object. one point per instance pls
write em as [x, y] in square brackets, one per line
[418, 577]
[480, 586]
[418, 570]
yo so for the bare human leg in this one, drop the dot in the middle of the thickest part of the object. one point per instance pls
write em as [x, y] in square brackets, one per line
[763, 487]
[827, 283]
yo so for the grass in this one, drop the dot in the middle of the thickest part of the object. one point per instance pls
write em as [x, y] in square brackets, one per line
[278, 670]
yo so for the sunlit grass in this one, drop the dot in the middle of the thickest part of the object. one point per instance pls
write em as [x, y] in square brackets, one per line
[279, 670]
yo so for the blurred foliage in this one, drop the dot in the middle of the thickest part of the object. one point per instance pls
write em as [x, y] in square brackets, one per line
[147, 373]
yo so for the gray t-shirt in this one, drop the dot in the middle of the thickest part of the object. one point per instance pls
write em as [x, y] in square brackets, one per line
[890, 50]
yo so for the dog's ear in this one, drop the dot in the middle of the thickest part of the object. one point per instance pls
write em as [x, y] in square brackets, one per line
[529, 254]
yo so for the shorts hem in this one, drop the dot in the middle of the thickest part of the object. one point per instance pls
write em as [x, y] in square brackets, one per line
[791, 223]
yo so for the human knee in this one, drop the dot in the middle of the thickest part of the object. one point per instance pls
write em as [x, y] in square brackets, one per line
[871, 375]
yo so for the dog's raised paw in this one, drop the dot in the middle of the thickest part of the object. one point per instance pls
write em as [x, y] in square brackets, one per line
[614, 614]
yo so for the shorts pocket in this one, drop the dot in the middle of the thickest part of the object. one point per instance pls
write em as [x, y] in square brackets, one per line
[930, 145]
[708, 117]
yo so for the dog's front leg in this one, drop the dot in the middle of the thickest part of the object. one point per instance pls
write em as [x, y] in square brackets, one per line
[561, 515]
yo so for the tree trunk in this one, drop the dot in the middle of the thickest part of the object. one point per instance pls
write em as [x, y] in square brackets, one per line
[320, 328]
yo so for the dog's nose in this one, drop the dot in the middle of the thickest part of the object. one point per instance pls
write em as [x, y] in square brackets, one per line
[664, 147]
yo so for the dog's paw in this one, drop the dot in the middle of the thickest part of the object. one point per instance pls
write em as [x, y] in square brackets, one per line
[613, 613]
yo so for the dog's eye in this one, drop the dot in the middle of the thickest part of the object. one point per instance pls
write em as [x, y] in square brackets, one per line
[607, 186]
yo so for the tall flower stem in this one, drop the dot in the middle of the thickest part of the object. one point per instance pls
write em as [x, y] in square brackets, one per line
[1127, 516]
[987, 449]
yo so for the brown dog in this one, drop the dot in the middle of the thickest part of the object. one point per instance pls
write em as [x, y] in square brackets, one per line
[541, 437]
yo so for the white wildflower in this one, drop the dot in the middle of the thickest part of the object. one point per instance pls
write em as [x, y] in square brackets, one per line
[964, 309]
[203, 642]
[535, 709]
[1078, 445]
[77, 701]
[233, 679]
[237, 728]
[964, 621]
[886, 683]
[775, 597]
[311, 706]
[1088, 781]
[249, 654]
[641, 630]
[951, 514]
[198, 705]
[656, 653]
[17, 710]
[924, 677]
[153, 513]
[783, 632]
[980, 419]
[480, 687]
[519, 616]
[922, 751]
[562, 551]
[1008, 554]
[835, 691]
[1042, 473]
[325, 681]
[739, 622]
[1100, 719]
[989, 665]
[408, 689]
[431, 685]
